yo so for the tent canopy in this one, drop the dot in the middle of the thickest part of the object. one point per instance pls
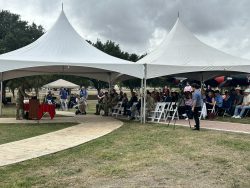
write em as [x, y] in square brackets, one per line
[181, 53]
[61, 83]
[62, 50]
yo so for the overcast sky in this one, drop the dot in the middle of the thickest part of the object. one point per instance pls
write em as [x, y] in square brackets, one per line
[139, 25]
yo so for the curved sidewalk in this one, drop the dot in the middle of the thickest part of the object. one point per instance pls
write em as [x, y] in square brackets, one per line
[91, 127]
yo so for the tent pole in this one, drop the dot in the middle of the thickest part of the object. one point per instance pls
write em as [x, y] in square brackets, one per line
[1, 96]
[141, 93]
[202, 80]
[145, 93]
[109, 82]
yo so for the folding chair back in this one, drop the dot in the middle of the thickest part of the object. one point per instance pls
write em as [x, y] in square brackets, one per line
[203, 113]
[118, 109]
[173, 111]
[166, 111]
[156, 115]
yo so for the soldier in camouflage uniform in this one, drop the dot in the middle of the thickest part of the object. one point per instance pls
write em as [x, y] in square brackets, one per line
[19, 103]
[112, 101]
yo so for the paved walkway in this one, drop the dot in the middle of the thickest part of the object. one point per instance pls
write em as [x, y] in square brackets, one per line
[91, 127]
[218, 125]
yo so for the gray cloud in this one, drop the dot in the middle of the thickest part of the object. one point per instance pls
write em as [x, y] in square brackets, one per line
[138, 25]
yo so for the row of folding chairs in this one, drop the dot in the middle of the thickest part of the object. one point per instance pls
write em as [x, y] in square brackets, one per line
[164, 111]
[118, 110]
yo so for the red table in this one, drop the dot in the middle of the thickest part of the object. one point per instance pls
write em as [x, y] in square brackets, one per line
[43, 108]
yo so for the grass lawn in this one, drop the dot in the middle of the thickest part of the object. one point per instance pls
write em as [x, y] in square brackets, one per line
[139, 155]
[14, 132]
[245, 120]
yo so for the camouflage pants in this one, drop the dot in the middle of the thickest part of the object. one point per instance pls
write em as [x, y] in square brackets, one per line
[108, 107]
[19, 111]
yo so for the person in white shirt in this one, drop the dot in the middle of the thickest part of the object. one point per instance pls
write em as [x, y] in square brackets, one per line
[244, 106]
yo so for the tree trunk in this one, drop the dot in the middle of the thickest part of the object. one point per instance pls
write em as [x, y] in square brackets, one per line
[131, 89]
[13, 92]
[37, 92]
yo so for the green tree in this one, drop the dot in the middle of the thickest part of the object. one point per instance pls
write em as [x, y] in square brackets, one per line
[16, 33]
[113, 49]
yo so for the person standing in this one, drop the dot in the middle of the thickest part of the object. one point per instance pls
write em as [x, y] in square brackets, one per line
[84, 93]
[63, 98]
[19, 102]
[196, 107]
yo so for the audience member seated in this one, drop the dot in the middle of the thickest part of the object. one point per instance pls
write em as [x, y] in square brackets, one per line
[120, 97]
[81, 105]
[49, 99]
[132, 100]
[219, 101]
[72, 101]
[99, 106]
[226, 106]
[150, 103]
[240, 109]
[112, 102]
[210, 101]
[174, 96]
[135, 109]
[125, 103]
[238, 99]
[157, 97]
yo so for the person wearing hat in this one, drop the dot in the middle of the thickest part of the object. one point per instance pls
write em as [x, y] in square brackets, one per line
[244, 106]
[238, 97]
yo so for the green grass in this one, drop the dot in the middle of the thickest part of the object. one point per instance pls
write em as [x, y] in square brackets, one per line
[139, 155]
[9, 111]
[245, 120]
[14, 132]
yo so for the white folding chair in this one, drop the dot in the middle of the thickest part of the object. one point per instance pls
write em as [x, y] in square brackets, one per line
[173, 112]
[117, 110]
[158, 111]
[166, 110]
[212, 110]
[203, 113]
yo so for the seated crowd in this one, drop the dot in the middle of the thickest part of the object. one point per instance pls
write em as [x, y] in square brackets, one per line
[235, 102]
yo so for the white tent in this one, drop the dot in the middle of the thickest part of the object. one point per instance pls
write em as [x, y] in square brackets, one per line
[182, 54]
[61, 83]
[62, 50]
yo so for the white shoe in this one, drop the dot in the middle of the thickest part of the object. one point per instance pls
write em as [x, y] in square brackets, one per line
[184, 115]
[234, 116]
[186, 119]
[237, 117]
